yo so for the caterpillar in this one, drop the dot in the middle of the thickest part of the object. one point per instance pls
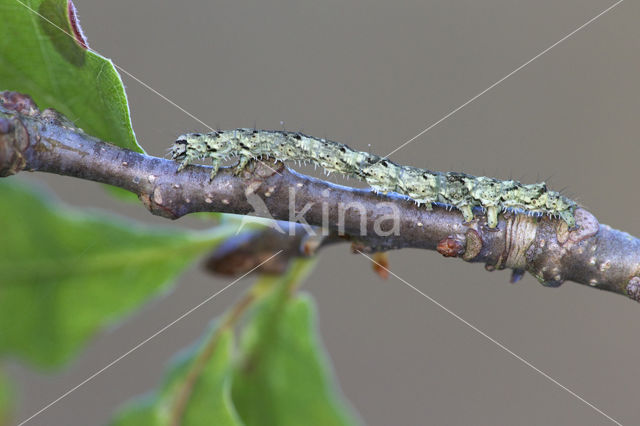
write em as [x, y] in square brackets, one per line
[425, 187]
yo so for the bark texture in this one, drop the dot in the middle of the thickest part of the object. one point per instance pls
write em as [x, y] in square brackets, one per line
[593, 254]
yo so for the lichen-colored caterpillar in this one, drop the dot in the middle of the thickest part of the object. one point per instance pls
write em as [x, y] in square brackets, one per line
[423, 186]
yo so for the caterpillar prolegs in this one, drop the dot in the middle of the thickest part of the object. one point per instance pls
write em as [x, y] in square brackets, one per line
[423, 186]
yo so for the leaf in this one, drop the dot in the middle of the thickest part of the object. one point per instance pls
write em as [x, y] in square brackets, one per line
[209, 401]
[43, 53]
[284, 377]
[66, 274]
[6, 401]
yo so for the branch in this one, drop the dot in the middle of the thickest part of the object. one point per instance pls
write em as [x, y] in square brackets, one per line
[593, 254]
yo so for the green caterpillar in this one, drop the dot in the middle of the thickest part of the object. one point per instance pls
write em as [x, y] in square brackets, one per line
[458, 190]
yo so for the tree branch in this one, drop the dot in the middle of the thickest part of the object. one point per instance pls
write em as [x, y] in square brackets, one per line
[593, 254]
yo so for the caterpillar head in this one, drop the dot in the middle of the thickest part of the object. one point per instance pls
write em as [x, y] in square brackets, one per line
[179, 148]
[196, 145]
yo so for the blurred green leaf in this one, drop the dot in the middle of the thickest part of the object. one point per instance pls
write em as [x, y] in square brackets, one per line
[209, 399]
[66, 274]
[284, 377]
[6, 400]
[41, 54]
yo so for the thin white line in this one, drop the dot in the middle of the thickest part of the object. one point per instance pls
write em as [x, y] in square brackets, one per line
[119, 67]
[91, 377]
[491, 339]
[160, 94]
[504, 78]
[135, 78]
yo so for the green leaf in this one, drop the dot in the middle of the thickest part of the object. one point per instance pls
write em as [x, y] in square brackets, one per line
[284, 377]
[65, 274]
[208, 401]
[42, 54]
[6, 401]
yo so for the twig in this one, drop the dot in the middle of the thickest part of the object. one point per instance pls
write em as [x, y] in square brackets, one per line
[593, 254]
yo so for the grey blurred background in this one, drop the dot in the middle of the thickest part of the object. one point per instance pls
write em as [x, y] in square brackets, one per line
[379, 72]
